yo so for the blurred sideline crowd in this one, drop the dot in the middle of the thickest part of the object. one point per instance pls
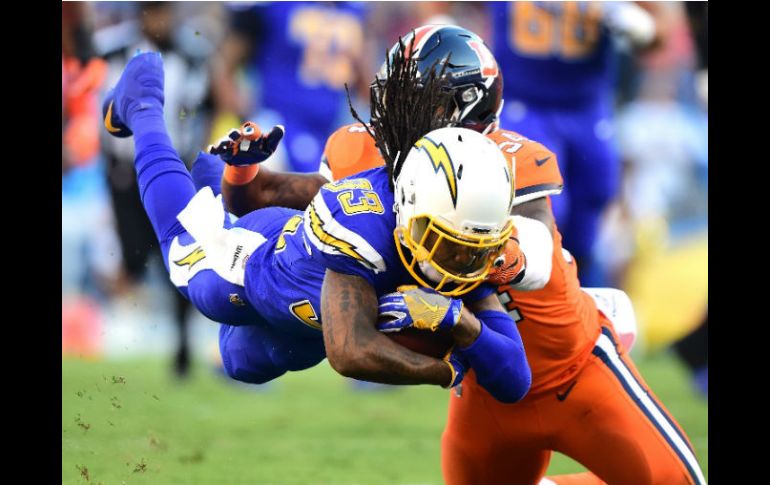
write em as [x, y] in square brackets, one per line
[288, 63]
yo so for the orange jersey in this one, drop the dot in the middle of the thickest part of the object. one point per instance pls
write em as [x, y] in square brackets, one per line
[559, 324]
[535, 168]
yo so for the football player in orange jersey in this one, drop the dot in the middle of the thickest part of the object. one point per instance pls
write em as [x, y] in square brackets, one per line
[587, 399]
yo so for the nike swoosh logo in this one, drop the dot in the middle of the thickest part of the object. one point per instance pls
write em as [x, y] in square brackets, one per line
[108, 120]
[433, 308]
[563, 396]
[540, 162]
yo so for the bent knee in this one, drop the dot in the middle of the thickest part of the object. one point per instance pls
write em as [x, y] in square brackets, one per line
[249, 374]
[245, 354]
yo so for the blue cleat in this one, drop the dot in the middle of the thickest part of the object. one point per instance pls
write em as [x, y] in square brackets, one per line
[112, 123]
[140, 88]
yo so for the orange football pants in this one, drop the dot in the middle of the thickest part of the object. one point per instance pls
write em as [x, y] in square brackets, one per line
[606, 418]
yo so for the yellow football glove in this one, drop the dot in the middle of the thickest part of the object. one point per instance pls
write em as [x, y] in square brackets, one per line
[422, 308]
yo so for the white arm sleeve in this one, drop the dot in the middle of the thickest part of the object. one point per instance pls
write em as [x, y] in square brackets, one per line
[325, 170]
[537, 245]
[631, 21]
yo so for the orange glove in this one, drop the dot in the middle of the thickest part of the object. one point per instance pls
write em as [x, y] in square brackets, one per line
[510, 265]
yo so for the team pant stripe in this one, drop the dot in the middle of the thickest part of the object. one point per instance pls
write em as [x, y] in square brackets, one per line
[606, 332]
[605, 350]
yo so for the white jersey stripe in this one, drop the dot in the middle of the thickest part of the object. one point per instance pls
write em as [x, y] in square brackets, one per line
[372, 258]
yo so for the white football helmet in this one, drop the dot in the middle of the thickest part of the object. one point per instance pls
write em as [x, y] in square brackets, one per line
[453, 198]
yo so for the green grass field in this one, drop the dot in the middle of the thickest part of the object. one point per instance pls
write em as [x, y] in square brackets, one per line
[128, 422]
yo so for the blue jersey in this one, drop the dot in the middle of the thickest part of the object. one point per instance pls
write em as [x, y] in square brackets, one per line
[552, 52]
[347, 228]
[303, 53]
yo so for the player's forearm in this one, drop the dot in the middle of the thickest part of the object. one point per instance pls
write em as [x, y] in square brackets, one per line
[537, 209]
[535, 225]
[381, 360]
[237, 198]
[293, 190]
[498, 358]
[356, 349]
[467, 329]
[269, 189]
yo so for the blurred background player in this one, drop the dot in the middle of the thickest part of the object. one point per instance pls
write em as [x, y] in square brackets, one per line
[89, 267]
[659, 221]
[286, 63]
[186, 53]
[558, 61]
[82, 76]
[693, 348]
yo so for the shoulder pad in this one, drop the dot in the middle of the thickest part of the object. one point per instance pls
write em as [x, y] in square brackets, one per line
[349, 150]
[339, 217]
[535, 166]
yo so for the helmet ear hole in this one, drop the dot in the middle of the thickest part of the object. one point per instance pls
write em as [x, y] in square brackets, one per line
[460, 171]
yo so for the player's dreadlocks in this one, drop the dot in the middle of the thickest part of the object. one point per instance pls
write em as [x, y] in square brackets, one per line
[405, 105]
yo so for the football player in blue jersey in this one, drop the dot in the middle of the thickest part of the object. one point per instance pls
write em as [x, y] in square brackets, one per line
[559, 63]
[297, 56]
[295, 287]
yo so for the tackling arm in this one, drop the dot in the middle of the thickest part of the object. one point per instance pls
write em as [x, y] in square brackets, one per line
[354, 346]
[527, 258]
[537, 209]
[497, 353]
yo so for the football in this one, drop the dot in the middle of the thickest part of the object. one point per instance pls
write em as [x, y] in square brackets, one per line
[434, 344]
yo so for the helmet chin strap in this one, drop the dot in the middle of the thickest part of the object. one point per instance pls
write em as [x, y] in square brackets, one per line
[495, 125]
[456, 118]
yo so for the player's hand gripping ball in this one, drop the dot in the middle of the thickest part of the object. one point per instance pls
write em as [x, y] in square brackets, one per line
[420, 319]
[421, 308]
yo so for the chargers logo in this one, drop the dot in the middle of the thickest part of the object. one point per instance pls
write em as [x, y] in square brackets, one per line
[196, 255]
[441, 161]
[344, 247]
